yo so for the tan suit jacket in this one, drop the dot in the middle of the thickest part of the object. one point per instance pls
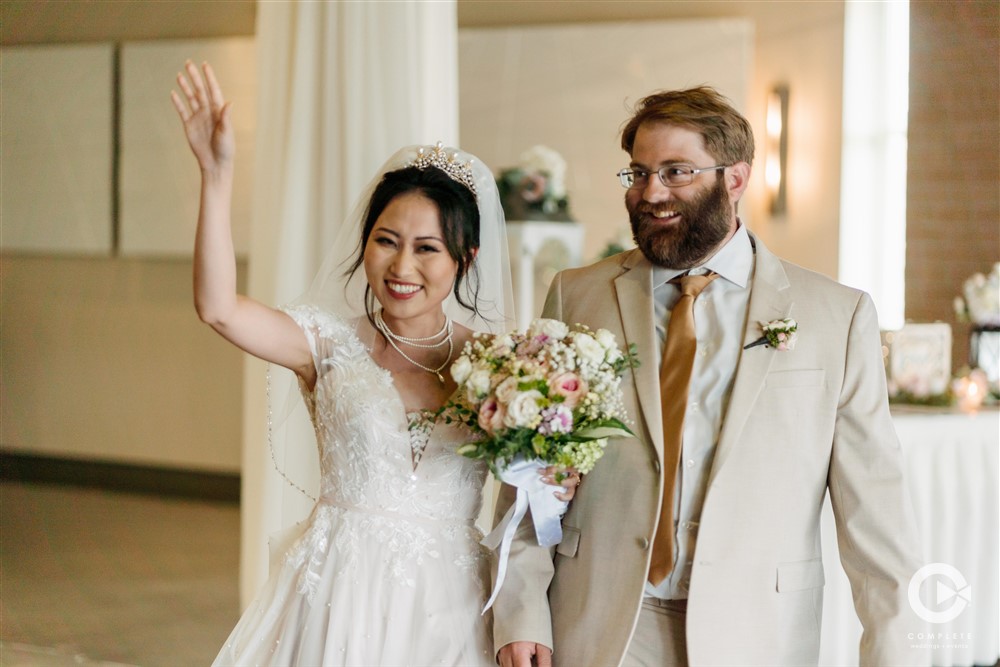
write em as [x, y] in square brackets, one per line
[799, 423]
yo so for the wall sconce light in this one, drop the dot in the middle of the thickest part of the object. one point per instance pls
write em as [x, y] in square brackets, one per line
[776, 162]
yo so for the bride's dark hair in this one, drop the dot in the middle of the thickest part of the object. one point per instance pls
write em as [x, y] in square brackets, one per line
[459, 216]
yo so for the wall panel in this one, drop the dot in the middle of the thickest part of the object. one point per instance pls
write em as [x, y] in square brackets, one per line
[56, 129]
[570, 87]
[159, 177]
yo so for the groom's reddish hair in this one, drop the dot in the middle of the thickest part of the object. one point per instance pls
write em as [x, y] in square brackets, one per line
[726, 133]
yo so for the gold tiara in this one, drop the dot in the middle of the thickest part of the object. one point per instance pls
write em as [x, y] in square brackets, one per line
[449, 164]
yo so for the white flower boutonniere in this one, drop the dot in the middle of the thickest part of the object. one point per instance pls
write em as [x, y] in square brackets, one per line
[779, 334]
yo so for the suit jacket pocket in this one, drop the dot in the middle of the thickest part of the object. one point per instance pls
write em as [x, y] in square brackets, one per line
[570, 542]
[800, 575]
[799, 378]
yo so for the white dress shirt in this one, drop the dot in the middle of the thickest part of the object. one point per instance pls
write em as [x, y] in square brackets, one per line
[719, 322]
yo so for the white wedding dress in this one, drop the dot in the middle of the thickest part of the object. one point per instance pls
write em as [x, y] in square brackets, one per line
[389, 569]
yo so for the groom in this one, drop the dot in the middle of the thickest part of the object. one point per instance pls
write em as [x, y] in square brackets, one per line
[728, 570]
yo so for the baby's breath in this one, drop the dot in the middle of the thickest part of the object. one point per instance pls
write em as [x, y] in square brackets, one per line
[567, 403]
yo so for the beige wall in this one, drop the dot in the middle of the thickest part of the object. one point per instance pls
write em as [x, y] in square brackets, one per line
[565, 86]
[105, 359]
[64, 21]
[799, 44]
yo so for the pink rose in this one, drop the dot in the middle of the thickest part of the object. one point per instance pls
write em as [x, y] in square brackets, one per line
[787, 341]
[531, 346]
[491, 415]
[570, 386]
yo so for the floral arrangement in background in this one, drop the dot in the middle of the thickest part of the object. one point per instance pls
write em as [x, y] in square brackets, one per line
[921, 374]
[980, 299]
[979, 305]
[918, 390]
[536, 188]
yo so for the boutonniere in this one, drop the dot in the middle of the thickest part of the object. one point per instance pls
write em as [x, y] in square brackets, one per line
[779, 334]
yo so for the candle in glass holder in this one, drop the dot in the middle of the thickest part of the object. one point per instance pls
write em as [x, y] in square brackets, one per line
[970, 391]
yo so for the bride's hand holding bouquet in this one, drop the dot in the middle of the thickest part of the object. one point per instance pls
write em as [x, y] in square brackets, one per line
[550, 396]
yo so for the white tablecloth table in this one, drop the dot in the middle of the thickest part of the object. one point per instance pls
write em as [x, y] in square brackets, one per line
[952, 474]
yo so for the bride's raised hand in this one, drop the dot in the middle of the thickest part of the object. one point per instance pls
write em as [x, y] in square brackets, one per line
[205, 114]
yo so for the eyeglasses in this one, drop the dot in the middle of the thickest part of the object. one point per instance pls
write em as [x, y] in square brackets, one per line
[671, 175]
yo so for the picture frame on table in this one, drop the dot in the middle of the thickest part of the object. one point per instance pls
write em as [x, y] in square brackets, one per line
[918, 363]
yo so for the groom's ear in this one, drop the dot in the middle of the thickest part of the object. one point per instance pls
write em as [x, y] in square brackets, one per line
[737, 179]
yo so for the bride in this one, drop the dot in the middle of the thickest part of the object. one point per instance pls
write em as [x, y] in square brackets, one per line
[388, 569]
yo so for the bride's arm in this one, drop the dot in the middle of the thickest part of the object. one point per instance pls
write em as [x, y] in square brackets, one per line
[256, 328]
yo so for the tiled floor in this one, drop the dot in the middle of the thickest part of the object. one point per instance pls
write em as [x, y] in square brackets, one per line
[91, 577]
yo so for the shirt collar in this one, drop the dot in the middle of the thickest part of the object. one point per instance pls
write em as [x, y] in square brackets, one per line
[733, 261]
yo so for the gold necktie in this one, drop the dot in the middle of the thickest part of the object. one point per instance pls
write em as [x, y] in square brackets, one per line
[675, 376]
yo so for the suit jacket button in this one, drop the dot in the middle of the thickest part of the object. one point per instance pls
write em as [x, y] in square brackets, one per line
[656, 465]
[643, 543]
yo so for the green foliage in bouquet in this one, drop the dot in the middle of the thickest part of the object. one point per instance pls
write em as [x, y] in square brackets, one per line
[551, 393]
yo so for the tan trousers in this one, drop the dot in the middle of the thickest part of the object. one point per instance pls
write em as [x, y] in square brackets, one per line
[659, 639]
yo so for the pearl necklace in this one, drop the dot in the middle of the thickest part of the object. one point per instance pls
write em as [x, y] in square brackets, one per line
[392, 337]
[448, 329]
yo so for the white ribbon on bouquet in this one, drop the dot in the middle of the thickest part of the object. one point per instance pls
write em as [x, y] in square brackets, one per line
[546, 513]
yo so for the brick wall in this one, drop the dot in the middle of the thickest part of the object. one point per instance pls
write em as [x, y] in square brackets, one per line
[953, 169]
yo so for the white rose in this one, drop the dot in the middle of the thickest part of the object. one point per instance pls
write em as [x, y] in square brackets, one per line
[523, 411]
[588, 349]
[507, 390]
[478, 383]
[606, 339]
[551, 328]
[982, 297]
[502, 345]
[461, 369]
[545, 159]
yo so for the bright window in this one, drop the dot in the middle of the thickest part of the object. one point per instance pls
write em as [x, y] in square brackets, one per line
[873, 178]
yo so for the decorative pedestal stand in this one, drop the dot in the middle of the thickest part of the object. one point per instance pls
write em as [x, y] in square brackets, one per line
[537, 251]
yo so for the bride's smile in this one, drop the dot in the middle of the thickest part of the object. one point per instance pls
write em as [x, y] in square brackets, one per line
[408, 264]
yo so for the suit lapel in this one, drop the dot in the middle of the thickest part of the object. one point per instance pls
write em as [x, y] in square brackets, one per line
[769, 300]
[634, 289]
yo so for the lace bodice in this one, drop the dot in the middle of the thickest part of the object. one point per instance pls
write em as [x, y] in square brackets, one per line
[421, 425]
[381, 469]
[364, 434]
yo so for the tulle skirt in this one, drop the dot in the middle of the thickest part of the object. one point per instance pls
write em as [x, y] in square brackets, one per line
[370, 590]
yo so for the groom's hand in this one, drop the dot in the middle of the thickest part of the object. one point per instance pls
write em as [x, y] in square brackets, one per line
[520, 654]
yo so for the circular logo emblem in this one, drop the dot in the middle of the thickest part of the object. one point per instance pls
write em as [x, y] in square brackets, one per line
[951, 593]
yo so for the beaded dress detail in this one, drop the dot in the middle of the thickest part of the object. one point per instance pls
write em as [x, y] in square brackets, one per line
[388, 569]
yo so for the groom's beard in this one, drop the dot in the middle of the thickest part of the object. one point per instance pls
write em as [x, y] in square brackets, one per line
[705, 222]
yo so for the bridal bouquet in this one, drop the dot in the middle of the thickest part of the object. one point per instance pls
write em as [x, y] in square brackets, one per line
[549, 396]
